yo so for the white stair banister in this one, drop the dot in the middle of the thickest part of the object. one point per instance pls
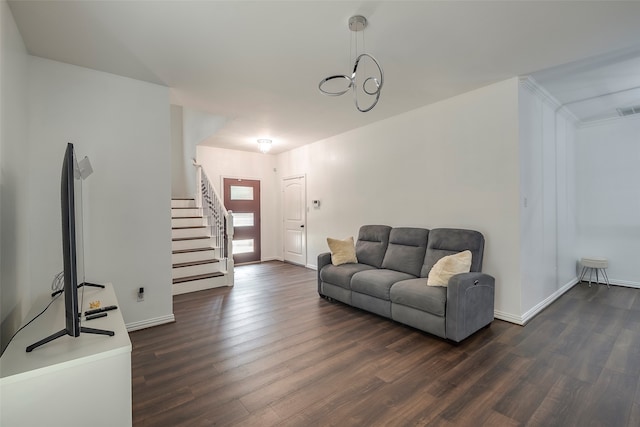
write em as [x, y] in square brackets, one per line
[217, 218]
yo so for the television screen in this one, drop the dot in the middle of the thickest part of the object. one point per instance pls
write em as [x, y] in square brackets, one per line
[72, 249]
[69, 252]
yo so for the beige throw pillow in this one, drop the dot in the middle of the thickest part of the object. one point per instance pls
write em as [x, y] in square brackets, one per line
[449, 266]
[342, 251]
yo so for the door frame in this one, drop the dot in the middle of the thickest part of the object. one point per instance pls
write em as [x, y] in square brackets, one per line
[306, 211]
[222, 196]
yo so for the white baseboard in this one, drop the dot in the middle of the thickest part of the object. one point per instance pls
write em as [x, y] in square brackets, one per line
[627, 283]
[508, 317]
[312, 267]
[148, 323]
[616, 282]
[526, 317]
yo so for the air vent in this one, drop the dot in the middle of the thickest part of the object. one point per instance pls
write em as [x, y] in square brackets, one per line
[628, 111]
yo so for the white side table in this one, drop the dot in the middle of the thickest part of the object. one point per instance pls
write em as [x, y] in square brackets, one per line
[597, 265]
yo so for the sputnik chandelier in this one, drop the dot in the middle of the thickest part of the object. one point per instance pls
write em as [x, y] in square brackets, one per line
[369, 87]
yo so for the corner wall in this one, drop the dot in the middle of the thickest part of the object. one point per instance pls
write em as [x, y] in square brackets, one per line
[608, 196]
[15, 284]
[547, 202]
[123, 126]
[450, 164]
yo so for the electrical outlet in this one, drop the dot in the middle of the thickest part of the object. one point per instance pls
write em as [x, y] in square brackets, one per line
[140, 294]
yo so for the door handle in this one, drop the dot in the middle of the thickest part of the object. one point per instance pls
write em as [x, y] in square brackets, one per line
[302, 226]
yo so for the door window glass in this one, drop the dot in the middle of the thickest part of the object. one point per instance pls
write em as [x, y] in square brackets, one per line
[243, 219]
[242, 246]
[241, 193]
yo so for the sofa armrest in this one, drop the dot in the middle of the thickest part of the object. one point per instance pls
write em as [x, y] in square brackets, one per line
[470, 304]
[323, 259]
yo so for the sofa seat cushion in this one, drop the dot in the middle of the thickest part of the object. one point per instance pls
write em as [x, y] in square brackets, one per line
[340, 275]
[416, 294]
[376, 283]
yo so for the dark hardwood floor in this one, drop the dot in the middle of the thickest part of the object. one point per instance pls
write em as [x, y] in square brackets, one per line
[269, 351]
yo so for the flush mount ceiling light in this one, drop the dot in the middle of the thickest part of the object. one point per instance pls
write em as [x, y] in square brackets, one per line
[367, 87]
[264, 145]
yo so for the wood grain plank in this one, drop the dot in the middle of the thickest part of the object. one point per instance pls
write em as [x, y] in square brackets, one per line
[270, 352]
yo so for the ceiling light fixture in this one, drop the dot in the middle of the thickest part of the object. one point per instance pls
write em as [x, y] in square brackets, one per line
[264, 145]
[370, 86]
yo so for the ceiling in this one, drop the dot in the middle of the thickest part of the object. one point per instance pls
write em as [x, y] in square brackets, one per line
[254, 66]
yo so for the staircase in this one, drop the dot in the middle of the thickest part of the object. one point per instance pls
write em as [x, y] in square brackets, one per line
[200, 242]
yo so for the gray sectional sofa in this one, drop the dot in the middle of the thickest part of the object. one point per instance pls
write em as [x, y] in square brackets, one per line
[389, 279]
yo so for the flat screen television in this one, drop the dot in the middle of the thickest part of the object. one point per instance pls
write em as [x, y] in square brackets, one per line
[72, 250]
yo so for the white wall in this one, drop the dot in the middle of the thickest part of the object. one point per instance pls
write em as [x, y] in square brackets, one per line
[566, 201]
[197, 126]
[450, 164]
[221, 163]
[15, 285]
[123, 125]
[547, 225]
[608, 196]
[179, 185]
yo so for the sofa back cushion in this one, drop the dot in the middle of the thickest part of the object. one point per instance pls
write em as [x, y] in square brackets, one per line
[449, 241]
[406, 250]
[372, 244]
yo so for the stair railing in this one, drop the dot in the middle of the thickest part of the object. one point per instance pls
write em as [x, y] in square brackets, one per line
[217, 218]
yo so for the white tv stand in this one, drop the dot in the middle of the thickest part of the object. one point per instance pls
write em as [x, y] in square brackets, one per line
[69, 381]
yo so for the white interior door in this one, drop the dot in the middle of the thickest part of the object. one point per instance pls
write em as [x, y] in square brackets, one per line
[295, 216]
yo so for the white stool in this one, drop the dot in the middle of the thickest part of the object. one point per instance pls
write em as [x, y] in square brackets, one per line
[597, 264]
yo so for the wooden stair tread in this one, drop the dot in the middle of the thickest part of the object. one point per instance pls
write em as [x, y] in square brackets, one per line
[184, 251]
[183, 198]
[197, 277]
[194, 263]
[188, 227]
[179, 239]
[185, 217]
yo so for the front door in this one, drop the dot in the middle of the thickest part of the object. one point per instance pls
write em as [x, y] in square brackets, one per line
[294, 211]
[242, 197]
